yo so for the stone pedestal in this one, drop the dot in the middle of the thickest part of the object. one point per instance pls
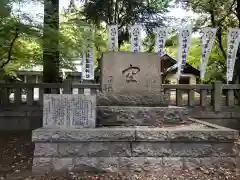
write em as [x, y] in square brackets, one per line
[137, 148]
[139, 116]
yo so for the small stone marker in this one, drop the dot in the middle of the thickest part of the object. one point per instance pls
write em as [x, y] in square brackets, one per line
[69, 110]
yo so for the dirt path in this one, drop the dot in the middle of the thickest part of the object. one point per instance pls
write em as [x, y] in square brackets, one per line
[16, 152]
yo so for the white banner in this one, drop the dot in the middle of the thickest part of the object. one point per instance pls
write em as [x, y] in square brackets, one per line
[233, 42]
[207, 43]
[88, 63]
[136, 39]
[184, 44]
[88, 58]
[113, 38]
[160, 39]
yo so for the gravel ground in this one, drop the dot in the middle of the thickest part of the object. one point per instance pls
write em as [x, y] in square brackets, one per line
[16, 160]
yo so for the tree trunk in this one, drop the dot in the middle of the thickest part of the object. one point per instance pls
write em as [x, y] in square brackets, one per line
[51, 42]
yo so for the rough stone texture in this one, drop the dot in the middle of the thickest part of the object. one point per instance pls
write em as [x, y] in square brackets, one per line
[173, 162]
[134, 133]
[151, 149]
[158, 149]
[97, 164]
[46, 149]
[133, 99]
[42, 165]
[95, 149]
[144, 116]
[62, 164]
[123, 72]
[83, 135]
[160, 134]
[118, 164]
[134, 149]
[140, 163]
[69, 110]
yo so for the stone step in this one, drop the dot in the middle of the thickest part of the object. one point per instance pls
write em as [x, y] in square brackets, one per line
[133, 99]
[139, 116]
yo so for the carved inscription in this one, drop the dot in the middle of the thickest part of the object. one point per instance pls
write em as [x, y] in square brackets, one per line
[69, 110]
[108, 86]
[130, 73]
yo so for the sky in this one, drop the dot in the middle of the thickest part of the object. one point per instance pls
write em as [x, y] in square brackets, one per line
[37, 9]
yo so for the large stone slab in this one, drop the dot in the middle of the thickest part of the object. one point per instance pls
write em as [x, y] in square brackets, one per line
[69, 110]
[83, 135]
[126, 72]
[139, 116]
[131, 79]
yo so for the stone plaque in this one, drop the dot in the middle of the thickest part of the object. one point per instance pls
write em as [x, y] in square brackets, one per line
[69, 110]
[126, 72]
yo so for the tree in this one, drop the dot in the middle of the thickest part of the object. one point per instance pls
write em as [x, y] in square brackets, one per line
[50, 44]
[126, 12]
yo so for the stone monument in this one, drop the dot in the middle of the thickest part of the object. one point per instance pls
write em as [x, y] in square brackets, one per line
[132, 96]
[131, 79]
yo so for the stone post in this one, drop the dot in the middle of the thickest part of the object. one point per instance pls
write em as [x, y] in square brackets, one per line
[217, 96]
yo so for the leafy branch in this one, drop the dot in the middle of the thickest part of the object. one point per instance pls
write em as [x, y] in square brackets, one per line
[9, 57]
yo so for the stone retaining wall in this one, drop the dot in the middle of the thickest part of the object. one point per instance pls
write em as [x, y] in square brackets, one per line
[117, 149]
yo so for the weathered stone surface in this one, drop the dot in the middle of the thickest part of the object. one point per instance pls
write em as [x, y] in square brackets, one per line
[224, 150]
[69, 110]
[131, 72]
[191, 163]
[151, 149]
[165, 134]
[217, 162]
[42, 165]
[174, 116]
[140, 164]
[158, 149]
[133, 99]
[191, 150]
[133, 115]
[96, 164]
[63, 164]
[95, 149]
[175, 163]
[82, 135]
[45, 149]
[129, 164]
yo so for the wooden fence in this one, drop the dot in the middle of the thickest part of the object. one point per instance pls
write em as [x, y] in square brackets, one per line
[216, 95]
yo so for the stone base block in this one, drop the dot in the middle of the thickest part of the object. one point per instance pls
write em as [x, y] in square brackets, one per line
[133, 99]
[139, 116]
[133, 149]
[130, 164]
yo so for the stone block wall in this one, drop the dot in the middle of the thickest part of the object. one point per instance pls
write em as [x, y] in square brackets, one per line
[120, 149]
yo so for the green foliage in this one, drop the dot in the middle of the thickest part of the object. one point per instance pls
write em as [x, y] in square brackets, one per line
[27, 48]
[124, 13]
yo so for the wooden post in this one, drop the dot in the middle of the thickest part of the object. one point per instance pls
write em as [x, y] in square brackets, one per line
[217, 96]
